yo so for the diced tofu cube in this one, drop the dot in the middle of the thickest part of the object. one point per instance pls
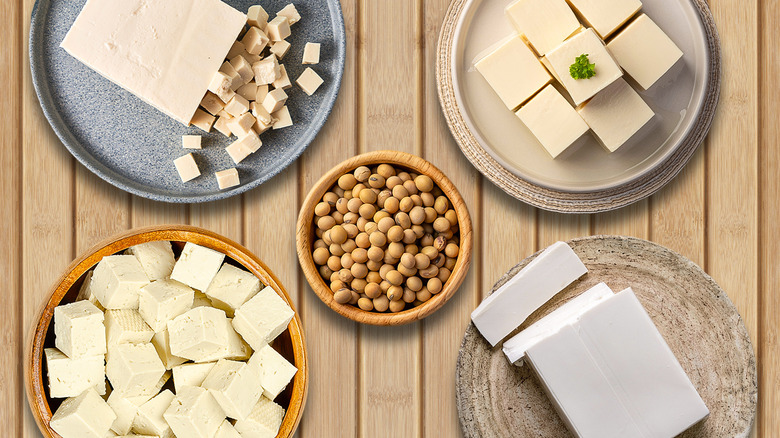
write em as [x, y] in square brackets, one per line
[203, 120]
[261, 319]
[235, 387]
[194, 413]
[248, 91]
[283, 81]
[134, 369]
[85, 292]
[84, 416]
[545, 23]
[117, 280]
[221, 86]
[280, 48]
[244, 146]
[156, 258]
[309, 81]
[197, 266]
[255, 40]
[201, 300]
[263, 422]
[502, 67]
[241, 125]
[236, 81]
[282, 118]
[212, 103]
[262, 91]
[126, 326]
[275, 100]
[290, 13]
[278, 28]
[191, 374]
[79, 330]
[162, 344]
[260, 127]
[257, 17]
[243, 67]
[198, 334]
[274, 370]
[191, 141]
[616, 114]
[70, 377]
[162, 300]
[125, 409]
[149, 417]
[252, 59]
[187, 168]
[227, 178]
[311, 53]
[237, 106]
[606, 16]
[226, 430]
[221, 125]
[232, 287]
[554, 122]
[260, 113]
[237, 49]
[267, 70]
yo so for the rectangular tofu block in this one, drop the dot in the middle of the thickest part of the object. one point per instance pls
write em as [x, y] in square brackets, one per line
[545, 23]
[79, 330]
[149, 416]
[125, 409]
[311, 53]
[191, 141]
[84, 416]
[162, 300]
[156, 258]
[309, 81]
[163, 52]
[275, 372]
[554, 122]
[198, 334]
[514, 72]
[197, 266]
[261, 319]
[264, 421]
[117, 280]
[126, 326]
[134, 369]
[606, 16]
[194, 413]
[232, 287]
[70, 377]
[282, 118]
[227, 178]
[191, 374]
[187, 167]
[235, 386]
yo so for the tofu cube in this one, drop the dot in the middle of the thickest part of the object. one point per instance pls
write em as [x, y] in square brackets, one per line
[261, 319]
[194, 413]
[616, 114]
[262, 91]
[237, 106]
[274, 370]
[222, 125]
[242, 125]
[280, 48]
[255, 40]
[162, 344]
[212, 103]
[191, 374]
[156, 258]
[187, 167]
[260, 127]
[227, 178]
[311, 53]
[283, 81]
[244, 146]
[267, 70]
[70, 377]
[263, 422]
[309, 81]
[502, 67]
[235, 387]
[257, 17]
[84, 416]
[243, 67]
[79, 330]
[222, 86]
[232, 287]
[260, 113]
[198, 334]
[585, 42]
[545, 23]
[126, 326]
[554, 122]
[85, 292]
[125, 409]
[201, 300]
[149, 416]
[236, 81]
[278, 28]
[234, 349]
[275, 100]
[134, 369]
[606, 16]
[644, 51]
[282, 118]
[162, 300]
[191, 141]
[197, 266]
[252, 59]
[290, 13]
[203, 120]
[248, 91]
[226, 430]
[238, 47]
[117, 280]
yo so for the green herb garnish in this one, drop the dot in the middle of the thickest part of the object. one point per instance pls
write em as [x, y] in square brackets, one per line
[582, 68]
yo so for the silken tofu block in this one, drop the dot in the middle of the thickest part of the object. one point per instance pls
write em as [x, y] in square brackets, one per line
[162, 344]
[545, 23]
[263, 422]
[162, 300]
[117, 280]
[85, 292]
[227, 178]
[514, 72]
[149, 416]
[616, 114]
[194, 413]
[554, 122]
[187, 167]
[235, 386]
[232, 287]
[198, 334]
[274, 370]
[149, 48]
[606, 16]
[70, 377]
[125, 409]
[79, 330]
[226, 430]
[84, 416]
[585, 42]
[191, 374]
[261, 319]
[156, 258]
[644, 51]
[546, 275]
[309, 81]
[197, 266]
[126, 326]
[134, 369]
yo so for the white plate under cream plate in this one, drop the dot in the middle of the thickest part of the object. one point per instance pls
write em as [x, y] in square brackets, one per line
[585, 179]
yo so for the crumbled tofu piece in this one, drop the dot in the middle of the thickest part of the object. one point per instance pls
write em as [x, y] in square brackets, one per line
[264, 421]
[191, 141]
[248, 91]
[202, 120]
[221, 125]
[187, 168]
[161, 342]
[79, 330]
[290, 13]
[85, 292]
[232, 287]
[149, 417]
[126, 326]
[309, 81]
[227, 178]
[275, 100]
[84, 416]
[282, 118]
[235, 79]
[197, 266]
[237, 49]
[274, 370]
[156, 258]
[311, 53]
[260, 113]
[283, 81]
[70, 377]
[261, 319]
[222, 86]
[267, 70]
[243, 67]
[134, 369]
[262, 91]
[198, 334]
[235, 387]
[117, 280]
[162, 300]
[278, 29]
[244, 146]
[257, 16]
[212, 103]
[191, 374]
[226, 430]
[252, 59]
[280, 48]
[194, 413]
[241, 126]
[255, 40]
[125, 409]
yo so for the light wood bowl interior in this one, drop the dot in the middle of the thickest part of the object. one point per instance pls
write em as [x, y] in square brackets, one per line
[305, 238]
[291, 343]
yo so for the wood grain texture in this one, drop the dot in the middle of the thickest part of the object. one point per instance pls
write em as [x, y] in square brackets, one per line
[102, 210]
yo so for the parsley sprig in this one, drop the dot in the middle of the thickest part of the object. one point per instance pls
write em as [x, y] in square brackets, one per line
[582, 68]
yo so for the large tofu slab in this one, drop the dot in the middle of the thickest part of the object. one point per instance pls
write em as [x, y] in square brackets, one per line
[164, 52]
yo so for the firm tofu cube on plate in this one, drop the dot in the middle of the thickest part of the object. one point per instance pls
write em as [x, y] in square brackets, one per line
[243, 67]
[244, 146]
[514, 72]
[235, 387]
[545, 23]
[238, 105]
[194, 413]
[79, 330]
[212, 103]
[275, 100]
[156, 258]
[261, 319]
[236, 81]
[149, 416]
[232, 287]
[554, 122]
[255, 40]
[162, 300]
[84, 416]
[126, 326]
[280, 48]
[278, 28]
[222, 85]
[191, 374]
[259, 112]
[162, 343]
[197, 266]
[134, 369]
[264, 421]
[282, 118]
[247, 91]
[191, 141]
[241, 126]
[226, 430]
[274, 370]
[290, 13]
[606, 16]
[257, 16]
[203, 120]
[222, 125]
[70, 377]
[117, 280]
[187, 167]
[198, 334]
[125, 409]
[311, 53]
[227, 178]
[616, 114]
[309, 81]
[283, 81]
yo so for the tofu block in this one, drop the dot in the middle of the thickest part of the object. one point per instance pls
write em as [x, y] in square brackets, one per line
[116, 281]
[309, 81]
[162, 300]
[261, 319]
[236, 348]
[232, 287]
[162, 344]
[311, 53]
[244, 146]
[274, 371]
[290, 13]
[191, 141]
[212, 103]
[201, 300]
[237, 106]
[238, 47]
[148, 47]
[275, 100]
[70, 377]
[263, 422]
[149, 416]
[243, 67]
[227, 178]
[506, 308]
[267, 70]
[226, 430]
[606, 16]
[278, 28]
[644, 51]
[545, 23]
[242, 125]
[502, 67]
[126, 326]
[616, 114]
[198, 334]
[202, 120]
[252, 59]
[194, 413]
[79, 330]
[134, 369]
[283, 81]
[197, 266]
[262, 91]
[222, 126]
[235, 386]
[156, 258]
[282, 118]
[257, 17]
[554, 122]
[191, 374]
[85, 291]
[187, 167]
[84, 416]
[260, 113]
[585, 42]
[125, 409]
[255, 40]
[222, 85]
[248, 91]
[280, 48]
[260, 127]
[236, 81]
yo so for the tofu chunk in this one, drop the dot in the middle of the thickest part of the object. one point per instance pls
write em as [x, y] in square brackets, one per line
[235, 387]
[545, 23]
[162, 343]
[241, 126]
[149, 417]
[84, 416]
[280, 48]
[125, 409]
[257, 17]
[162, 300]
[221, 125]
[202, 120]
[275, 100]
[554, 122]
[187, 167]
[237, 106]
[79, 330]
[267, 70]
[282, 118]
[126, 326]
[222, 86]
[117, 280]
[283, 81]
[198, 334]
[194, 413]
[264, 420]
[227, 178]
[243, 67]
[191, 141]
[309, 81]
[70, 377]
[226, 430]
[156, 258]
[311, 53]
[212, 103]
[232, 287]
[191, 374]
[197, 266]
[134, 369]
[278, 29]
[235, 79]
[255, 40]
[261, 319]
[244, 147]
[606, 16]
[85, 292]
[237, 48]
[290, 13]
[260, 113]
[248, 91]
[274, 370]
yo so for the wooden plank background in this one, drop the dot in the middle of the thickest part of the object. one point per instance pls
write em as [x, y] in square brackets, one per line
[376, 382]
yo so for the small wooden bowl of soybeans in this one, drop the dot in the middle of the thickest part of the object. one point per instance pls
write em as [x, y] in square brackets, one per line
[384, 238]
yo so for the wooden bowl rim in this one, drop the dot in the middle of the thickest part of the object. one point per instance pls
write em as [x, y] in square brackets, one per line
[304, 238]
[33, 370]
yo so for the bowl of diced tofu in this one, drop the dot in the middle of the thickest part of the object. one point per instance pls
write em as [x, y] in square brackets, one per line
[167, 331]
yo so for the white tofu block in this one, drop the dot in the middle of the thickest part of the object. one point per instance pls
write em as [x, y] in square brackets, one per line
[606, 16]
[549, 273]
[585, 42]
[260, 113]
[257, 16]
[275, 100]
[226, 430]
[134, 369]
[262, 91]
[125, 409]
[235, 386]
[191, 374]
[187, 167]
[156, 258]
[191, 141]
[503, 66]
[202, 120]
[242, 125]
[261, 319]
[264, 421]
[255, 40]
[283, 81]
[221, 125]
[234, 349]
[162, 300]
[244, 146]
[197, 266]
[267, 70]
[311, 53]
[274, 370]
[117, 280]
[84, 416]
[238, 47]
[79, 330]
[194, 413]
[162, 344]
[126, 326]
[70, 377]
[243, 67]
[282, 118]
[212, 103]
[149, 416]
[232, 287]
[309, 81]
[644, 51]
[545, 23]
[278, 28]
[237, 106]
[290, 13]
[148, 47]
[568, 313]
[616, 114]
[85, 291]
[248, 91]
[554, 122]
[201, 300]
[280, 48]
[222, 85]
[198, 334]
[227, 178]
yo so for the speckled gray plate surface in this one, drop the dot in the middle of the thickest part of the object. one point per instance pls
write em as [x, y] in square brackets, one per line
[132, 145]
[695, 316]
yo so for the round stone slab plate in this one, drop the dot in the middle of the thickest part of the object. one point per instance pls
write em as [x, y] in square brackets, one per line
[694, 315]
[132, 145]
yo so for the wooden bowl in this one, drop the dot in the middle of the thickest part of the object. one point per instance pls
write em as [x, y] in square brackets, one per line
[306, 237]
[291, 343]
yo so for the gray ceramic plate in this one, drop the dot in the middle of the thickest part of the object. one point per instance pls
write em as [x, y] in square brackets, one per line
[132, 145]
